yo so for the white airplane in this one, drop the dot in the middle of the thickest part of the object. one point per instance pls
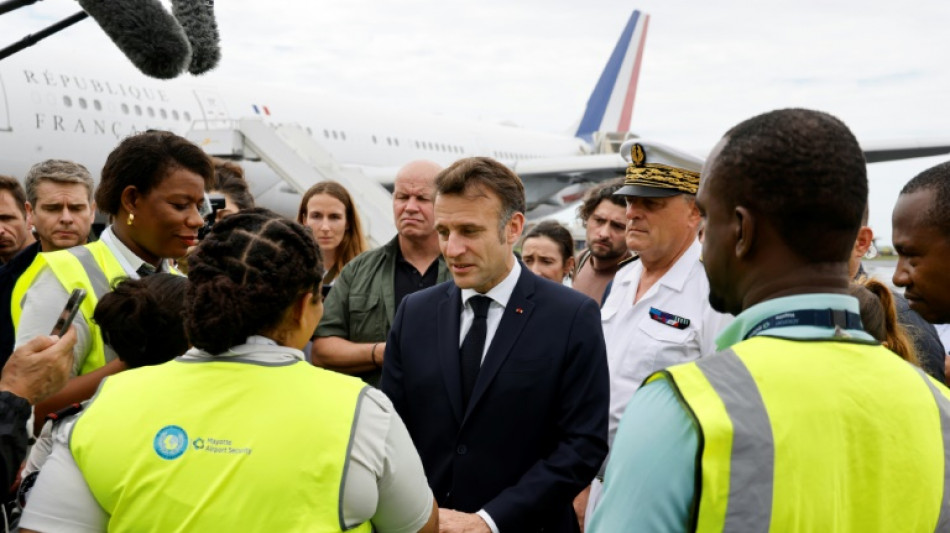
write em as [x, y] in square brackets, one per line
[58, 108]
[51, 109]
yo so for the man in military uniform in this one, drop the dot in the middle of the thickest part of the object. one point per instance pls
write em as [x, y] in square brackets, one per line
[657, 313]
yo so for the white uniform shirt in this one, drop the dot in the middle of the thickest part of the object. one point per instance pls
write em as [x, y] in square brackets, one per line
[637, 344]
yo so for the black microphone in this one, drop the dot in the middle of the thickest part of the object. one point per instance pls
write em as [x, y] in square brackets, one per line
[197, 19]
[145, 32]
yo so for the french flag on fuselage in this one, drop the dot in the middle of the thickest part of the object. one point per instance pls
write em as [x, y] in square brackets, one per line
[610, 107]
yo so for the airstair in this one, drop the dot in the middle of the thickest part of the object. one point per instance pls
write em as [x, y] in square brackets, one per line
[301, 162]
[610, 142]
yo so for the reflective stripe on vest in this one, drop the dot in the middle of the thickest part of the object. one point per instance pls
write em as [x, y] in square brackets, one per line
[92, 267]
[943, 404]
[807, 436]
[753, 447]
[221, 445]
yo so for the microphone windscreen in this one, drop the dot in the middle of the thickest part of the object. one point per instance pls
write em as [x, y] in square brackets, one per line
[197, 19]
[145, 32]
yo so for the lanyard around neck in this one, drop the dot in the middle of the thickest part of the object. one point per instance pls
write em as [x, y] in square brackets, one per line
[822, 318]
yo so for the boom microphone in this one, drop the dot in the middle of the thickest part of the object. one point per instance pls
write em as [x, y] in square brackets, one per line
[145, 32]
[197, 19]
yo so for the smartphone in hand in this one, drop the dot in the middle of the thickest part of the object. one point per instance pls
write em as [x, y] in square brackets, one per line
[69, 312]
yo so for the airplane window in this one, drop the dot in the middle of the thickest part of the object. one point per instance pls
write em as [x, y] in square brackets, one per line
[163, 113]
[374, 139]
[326, 134]
[396, 141]
[138, 110]
[125, 109]
[343, 135]
[82, 103]
[417, 144]
[97, 104]
[67, 101]
[187, 116]
[174, 113]
[335, 135]
[309, 131]
[151, 112]
[389, 141]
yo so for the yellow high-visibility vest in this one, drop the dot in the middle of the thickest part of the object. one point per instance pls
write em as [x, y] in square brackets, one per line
[816, 436]
[219, 446]
[92, 267]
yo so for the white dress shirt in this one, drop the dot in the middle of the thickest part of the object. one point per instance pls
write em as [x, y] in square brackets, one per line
[499, 294]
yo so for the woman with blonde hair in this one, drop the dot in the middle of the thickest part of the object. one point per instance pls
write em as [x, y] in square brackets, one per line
[327, 209]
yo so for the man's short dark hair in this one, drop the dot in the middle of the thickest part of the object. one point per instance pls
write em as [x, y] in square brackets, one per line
[597, 194]
[466, 176]
[803, 171]
[12, 186]
[936, 179]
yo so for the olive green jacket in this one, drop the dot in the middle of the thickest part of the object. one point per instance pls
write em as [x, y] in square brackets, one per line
[362, 303]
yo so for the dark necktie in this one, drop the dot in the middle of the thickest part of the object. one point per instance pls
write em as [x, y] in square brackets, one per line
[145, 270]
[473, 346]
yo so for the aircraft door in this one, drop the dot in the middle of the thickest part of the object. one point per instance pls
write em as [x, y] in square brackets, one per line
[213, 109]
[4, 108]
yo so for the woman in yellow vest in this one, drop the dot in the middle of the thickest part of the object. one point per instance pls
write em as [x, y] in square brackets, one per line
[152, 186]
[239, 434]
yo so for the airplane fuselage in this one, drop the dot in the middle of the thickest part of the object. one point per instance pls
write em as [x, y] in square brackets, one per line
[81, 115]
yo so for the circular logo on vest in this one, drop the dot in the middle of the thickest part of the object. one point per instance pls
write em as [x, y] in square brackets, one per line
[170, 442]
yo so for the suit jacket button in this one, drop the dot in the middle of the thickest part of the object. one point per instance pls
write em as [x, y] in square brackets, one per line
[462, 450]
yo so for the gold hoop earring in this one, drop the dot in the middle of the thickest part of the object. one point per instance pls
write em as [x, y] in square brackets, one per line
[130, 220]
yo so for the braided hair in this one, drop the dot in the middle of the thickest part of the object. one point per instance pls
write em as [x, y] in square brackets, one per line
[141, 319]
[245, 275]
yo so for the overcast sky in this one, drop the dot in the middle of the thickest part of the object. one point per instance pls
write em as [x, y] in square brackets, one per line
[879, 66]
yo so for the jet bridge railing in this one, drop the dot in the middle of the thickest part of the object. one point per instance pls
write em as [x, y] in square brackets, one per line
[301, 162]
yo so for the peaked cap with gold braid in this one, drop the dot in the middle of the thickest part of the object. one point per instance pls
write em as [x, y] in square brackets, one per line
[655, 180]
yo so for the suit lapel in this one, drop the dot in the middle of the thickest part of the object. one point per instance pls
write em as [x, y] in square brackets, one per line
[513, 321]
[449, 316]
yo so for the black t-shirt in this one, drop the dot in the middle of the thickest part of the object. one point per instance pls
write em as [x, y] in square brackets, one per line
[408, 280]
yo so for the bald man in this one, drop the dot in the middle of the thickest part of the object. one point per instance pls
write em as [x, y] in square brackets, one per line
[358, 312]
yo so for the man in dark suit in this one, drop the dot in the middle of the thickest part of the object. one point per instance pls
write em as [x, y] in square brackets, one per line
[500, 376]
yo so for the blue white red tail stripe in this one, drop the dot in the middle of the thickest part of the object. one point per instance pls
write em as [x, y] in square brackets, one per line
[610, 106]
[626, 115]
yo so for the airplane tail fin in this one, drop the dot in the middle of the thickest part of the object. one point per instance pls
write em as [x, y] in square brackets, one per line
[610, 106]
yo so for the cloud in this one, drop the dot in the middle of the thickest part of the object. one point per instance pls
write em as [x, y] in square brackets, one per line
[707, 66]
